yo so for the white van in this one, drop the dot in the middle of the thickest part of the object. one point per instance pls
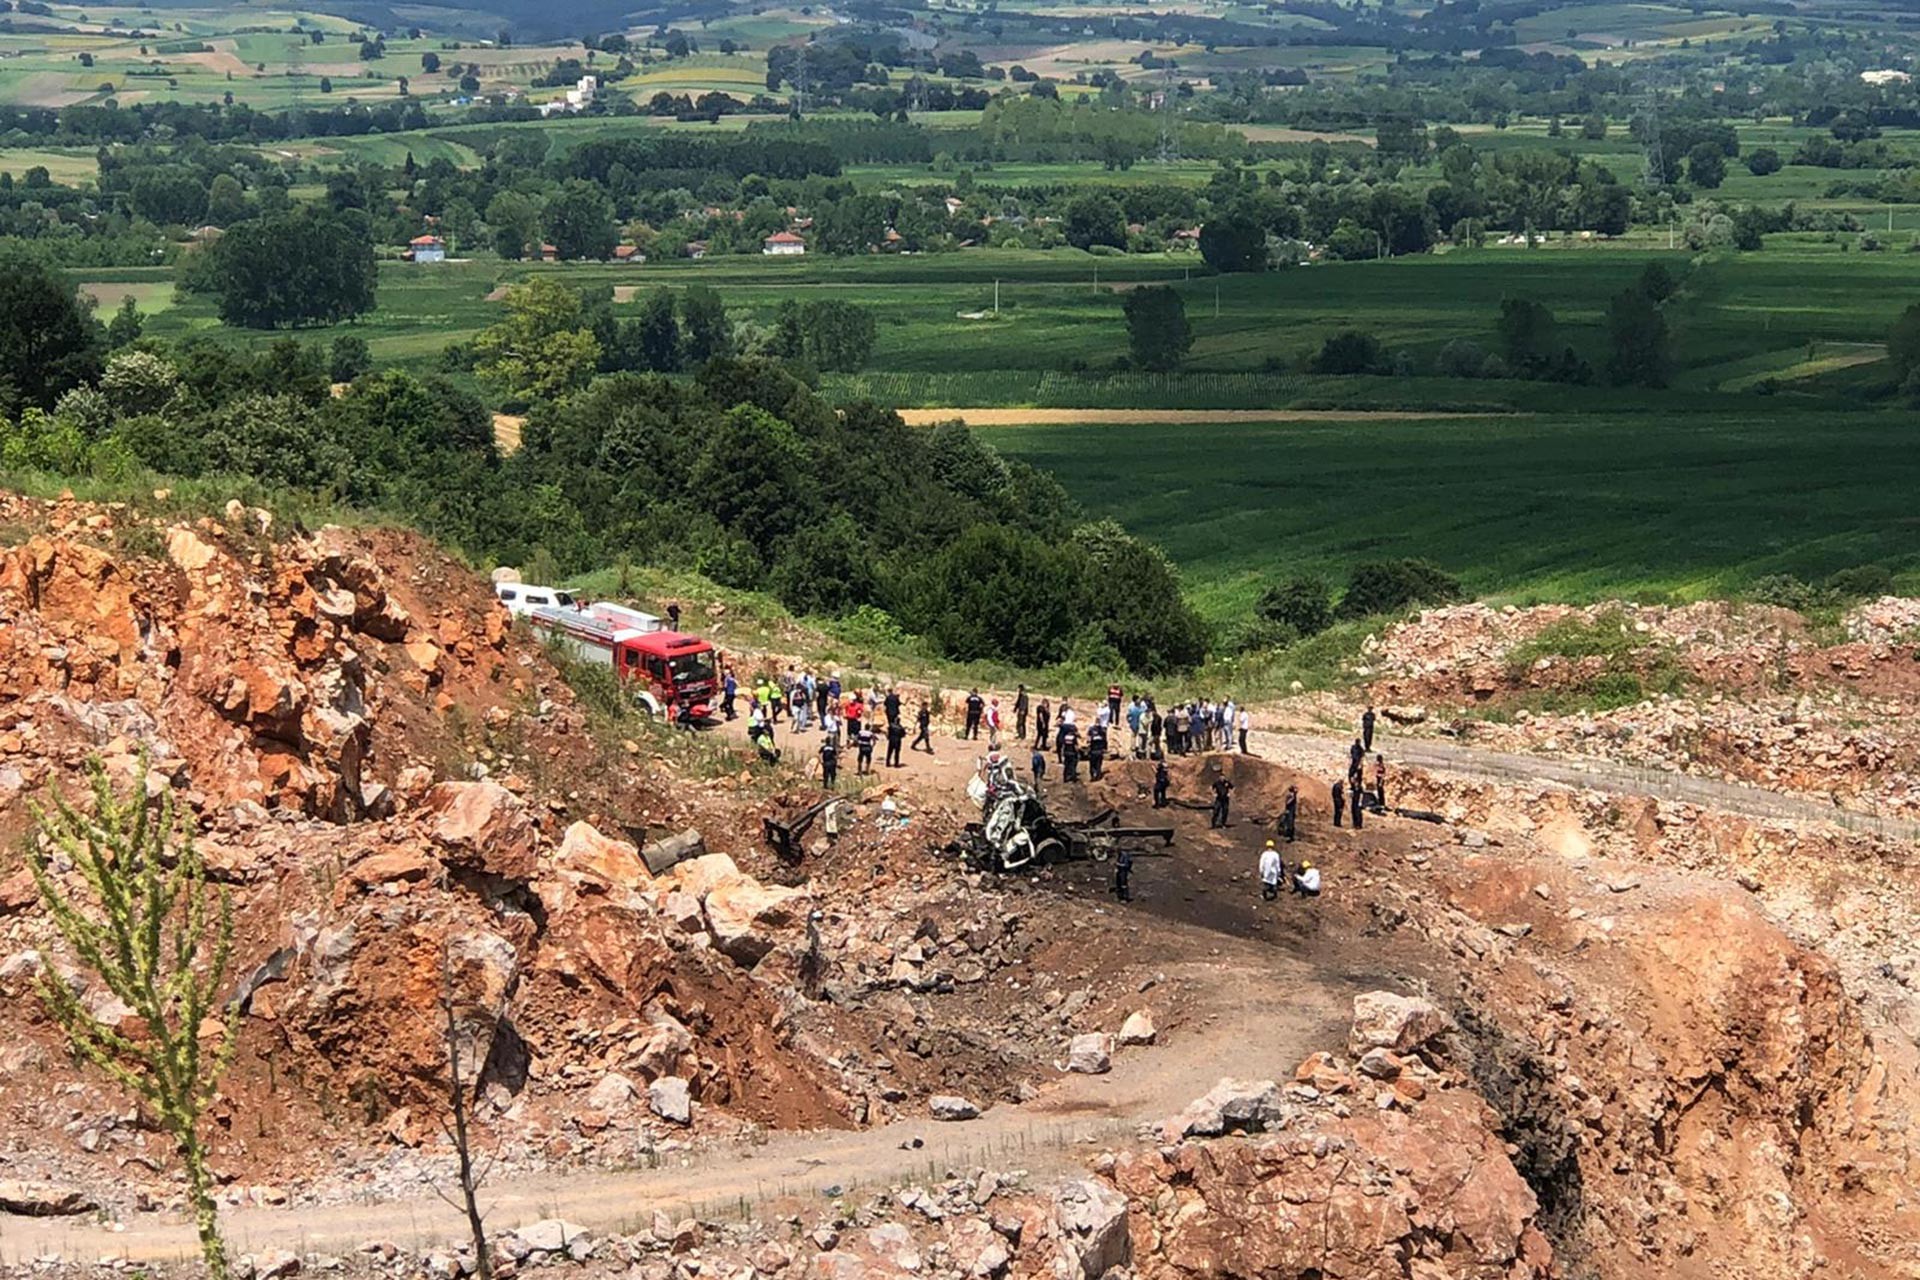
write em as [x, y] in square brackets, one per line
[521, 598]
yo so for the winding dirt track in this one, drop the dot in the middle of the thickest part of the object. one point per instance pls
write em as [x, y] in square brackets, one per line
[1047, 1136]
[1169, 417]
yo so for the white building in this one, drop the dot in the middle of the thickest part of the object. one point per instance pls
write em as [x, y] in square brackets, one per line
[783, 244]
[428, 249]
[577, 98]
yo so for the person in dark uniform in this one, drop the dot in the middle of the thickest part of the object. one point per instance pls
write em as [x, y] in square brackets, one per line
[896, 735]
[1069, 753]
[1290, 816]
[1020, 715]
[1366, 729]
[1339, 803]
[892, 704]
[1042, 717]
[863, 739]
[673, 617]
[829, 762]
[1156, 725]
[1222, 789]
[1356, 755]
[1123, 876]
[1039, 766]
[1160, 781]
[1380, 782]
[923, 719]
[1358, 795]
[975, 705]
[1096, 751]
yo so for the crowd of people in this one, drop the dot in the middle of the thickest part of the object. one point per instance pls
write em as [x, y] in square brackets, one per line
[1055, 733]
[846, 719]
[860, 719]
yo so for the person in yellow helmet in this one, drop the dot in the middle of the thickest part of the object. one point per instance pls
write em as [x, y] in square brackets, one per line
[1272, 871]
[1306, 881]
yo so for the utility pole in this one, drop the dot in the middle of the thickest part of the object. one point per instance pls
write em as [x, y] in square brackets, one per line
[996, 297]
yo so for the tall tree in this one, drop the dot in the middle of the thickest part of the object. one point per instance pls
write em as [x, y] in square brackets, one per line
[1158, 332]
[1094, 217]
[1234, 243]
[158, 935]
[541, 348]
[580, 221]
[1642, 348]
[311, 266]
[1903, 341]
[48, 343]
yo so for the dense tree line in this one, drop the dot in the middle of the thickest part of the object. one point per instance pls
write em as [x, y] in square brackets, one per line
[742, 471]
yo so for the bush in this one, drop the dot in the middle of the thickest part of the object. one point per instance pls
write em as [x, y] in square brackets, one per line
[1862, 582]
[1301, 604]
[1391, 586]
[1350, 352]
[1785, 591]
[349, 357]
[1258, 635]
[1461, 358]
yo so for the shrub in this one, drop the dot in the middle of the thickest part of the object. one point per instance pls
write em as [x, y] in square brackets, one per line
[1301, 604]
[1390, 586]
[1350, 352]
[1862, 582]
[1785, 591]
[1257, 635]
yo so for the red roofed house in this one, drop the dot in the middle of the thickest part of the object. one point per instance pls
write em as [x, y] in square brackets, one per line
[427, 249]
[783, 244]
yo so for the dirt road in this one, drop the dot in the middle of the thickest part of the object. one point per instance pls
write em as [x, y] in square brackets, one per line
[1169, 417]
[1591, 773]
[1048, 1135]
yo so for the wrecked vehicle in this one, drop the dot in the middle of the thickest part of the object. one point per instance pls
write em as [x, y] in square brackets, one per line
[1017, 830]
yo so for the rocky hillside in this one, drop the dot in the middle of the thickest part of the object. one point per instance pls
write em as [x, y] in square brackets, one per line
[1528, 1031]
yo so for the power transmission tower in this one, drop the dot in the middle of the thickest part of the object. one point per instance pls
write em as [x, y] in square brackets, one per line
[1655, 173]
[1166, 116]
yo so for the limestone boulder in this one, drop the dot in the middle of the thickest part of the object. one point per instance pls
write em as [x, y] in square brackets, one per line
[482, 826]
[1400, 1024]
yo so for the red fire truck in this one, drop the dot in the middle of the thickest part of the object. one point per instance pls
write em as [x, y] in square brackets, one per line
[667, 670]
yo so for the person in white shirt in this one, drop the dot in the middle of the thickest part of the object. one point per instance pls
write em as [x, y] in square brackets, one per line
[1246, 723]
[1271, 871]
[1306, 881]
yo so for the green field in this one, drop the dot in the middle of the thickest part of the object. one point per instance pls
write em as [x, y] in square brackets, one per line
[1798, 315]
[1552, 508]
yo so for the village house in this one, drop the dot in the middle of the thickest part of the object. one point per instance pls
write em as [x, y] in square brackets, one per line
[426, 249]
[783, 244]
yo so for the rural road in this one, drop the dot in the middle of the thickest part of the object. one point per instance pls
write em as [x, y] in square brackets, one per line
[1592, 773]
[1242, 1028]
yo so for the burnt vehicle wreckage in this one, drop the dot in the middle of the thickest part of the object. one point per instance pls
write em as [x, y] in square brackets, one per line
[1017, 830]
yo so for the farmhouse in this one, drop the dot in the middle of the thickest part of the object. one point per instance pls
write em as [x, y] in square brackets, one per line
[783, 244]
[628, 253]
[427, 249]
